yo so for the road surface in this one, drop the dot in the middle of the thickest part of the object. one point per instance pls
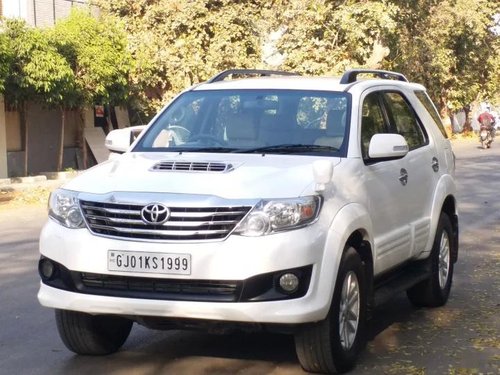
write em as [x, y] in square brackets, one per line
[462, 337]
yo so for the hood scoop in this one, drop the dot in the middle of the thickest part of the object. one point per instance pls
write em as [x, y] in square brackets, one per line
[192, 166]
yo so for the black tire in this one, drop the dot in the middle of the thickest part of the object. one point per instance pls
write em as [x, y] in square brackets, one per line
[92, 334]
[319, 345]
[433, 292]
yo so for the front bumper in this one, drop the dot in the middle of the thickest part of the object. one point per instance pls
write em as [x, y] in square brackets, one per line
[235, 259]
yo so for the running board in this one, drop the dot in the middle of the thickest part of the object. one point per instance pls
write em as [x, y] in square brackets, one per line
[400, 280]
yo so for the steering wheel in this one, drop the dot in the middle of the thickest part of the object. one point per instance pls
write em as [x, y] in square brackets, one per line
[208, 137]
[313, 124]
[179, 134]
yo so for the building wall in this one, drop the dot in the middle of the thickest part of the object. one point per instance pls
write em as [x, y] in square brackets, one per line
[40, 13]
[14, 139]
[44, 127]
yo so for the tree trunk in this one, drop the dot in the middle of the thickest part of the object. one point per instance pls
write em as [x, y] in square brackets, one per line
[25, 134]
[444, 112]
[81, 138]
[467, 125]
[61, 141]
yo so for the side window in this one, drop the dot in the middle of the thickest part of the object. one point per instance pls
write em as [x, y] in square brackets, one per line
[372, 121]
[429, 106]
[404, 121]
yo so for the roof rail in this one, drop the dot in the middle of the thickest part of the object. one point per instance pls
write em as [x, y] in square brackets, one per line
[350, 76]
[257, 72]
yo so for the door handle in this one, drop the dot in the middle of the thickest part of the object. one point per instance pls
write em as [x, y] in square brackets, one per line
[403, 176]
[435, 164]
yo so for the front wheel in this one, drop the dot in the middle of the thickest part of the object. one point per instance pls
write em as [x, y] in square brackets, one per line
[435, 291]
[92, 334]
[333, 345]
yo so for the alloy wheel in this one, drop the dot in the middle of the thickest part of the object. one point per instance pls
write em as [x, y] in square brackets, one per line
[444, 260]
[349, 310]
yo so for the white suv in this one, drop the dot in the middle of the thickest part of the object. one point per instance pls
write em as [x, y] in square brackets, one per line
[278, 202]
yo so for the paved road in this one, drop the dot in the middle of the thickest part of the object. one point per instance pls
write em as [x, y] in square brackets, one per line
[461, 338]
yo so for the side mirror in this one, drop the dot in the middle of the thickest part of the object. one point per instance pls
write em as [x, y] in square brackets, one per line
[387, 146]
[119, 140]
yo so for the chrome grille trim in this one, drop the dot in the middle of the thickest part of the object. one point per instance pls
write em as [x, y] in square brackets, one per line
[158, 232]
[123, 220]
[186, 166]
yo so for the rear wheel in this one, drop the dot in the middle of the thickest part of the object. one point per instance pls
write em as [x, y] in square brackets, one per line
[92, 334]
[435, 290]
[333, 345]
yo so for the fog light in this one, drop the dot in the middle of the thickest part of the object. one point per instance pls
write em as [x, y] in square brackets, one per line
[47, 269]
[289, 282]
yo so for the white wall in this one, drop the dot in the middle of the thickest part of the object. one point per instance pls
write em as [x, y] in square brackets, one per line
[15, 8]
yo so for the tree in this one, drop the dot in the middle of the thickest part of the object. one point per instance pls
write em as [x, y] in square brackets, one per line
[176, 44]
[37, 73]
[327, 37]
[52, 80]
[450, 47]
[96, 51]
[5, 59]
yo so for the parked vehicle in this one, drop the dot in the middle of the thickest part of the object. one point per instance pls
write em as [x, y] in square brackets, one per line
[278, 202]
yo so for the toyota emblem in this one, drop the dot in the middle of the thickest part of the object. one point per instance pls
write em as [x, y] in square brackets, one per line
[155, 213]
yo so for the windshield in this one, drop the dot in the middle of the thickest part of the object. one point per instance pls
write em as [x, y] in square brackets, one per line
[246, 121]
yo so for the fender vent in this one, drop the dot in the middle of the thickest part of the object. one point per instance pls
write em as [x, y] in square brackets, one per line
[184, 166]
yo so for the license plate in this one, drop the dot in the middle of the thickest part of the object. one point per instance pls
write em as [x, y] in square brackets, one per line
[135, 261]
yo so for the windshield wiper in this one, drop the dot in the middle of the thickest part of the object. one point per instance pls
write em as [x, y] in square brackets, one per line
[287, 149]
[205, 149]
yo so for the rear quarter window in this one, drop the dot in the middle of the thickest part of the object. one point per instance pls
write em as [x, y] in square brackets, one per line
[429, 106]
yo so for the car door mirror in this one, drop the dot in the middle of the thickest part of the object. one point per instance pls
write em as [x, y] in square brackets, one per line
[387, 146]
[119, 140]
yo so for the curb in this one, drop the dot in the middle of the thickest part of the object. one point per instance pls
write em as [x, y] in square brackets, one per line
[44, 178]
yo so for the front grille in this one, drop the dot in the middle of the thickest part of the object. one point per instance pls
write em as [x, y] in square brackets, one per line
[184, 223]
[192, 166]
[166, 289]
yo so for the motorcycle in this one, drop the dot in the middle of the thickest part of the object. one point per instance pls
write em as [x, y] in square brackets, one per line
[486, 136]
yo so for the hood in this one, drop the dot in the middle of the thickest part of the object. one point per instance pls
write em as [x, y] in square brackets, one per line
[246, 175]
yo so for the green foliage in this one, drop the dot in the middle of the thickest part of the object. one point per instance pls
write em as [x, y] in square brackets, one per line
[5, 60]
[157, 48]
[326, 38]
[450, 47]
[177, 43]
[96, 50]
[37, 71]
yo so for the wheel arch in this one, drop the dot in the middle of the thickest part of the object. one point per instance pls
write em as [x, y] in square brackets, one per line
[444, 202]
[450, 209]
[351, 227]
[359, 241]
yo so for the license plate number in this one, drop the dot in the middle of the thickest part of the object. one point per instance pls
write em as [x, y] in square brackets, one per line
[135, 261]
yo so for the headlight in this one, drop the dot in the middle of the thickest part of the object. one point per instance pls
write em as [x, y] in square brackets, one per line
[270, 216]
[64, 208]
